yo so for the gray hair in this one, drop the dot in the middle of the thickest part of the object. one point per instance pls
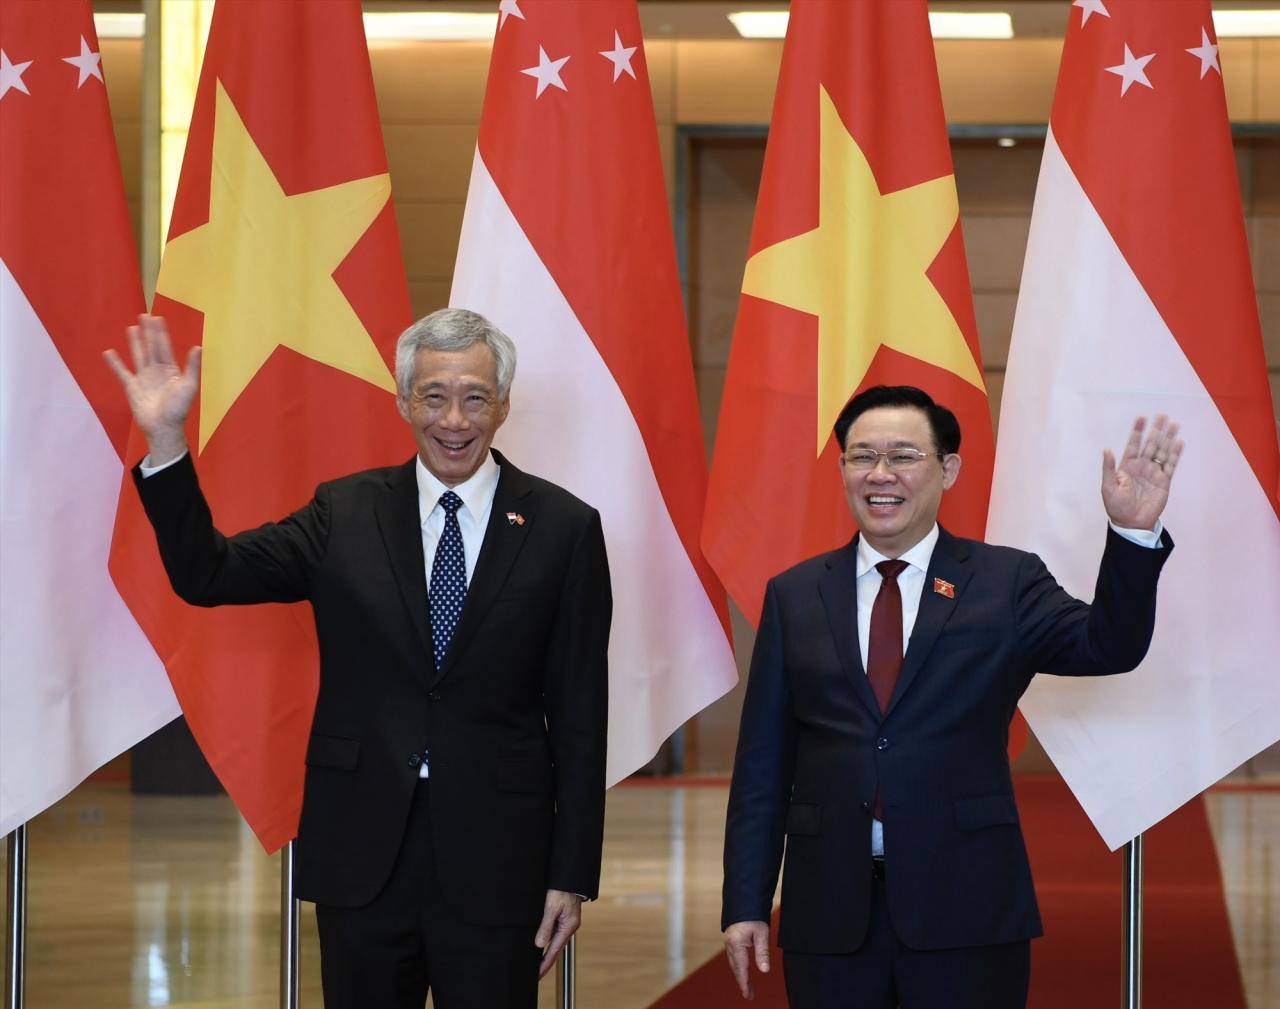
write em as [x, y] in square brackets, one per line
[453, 329]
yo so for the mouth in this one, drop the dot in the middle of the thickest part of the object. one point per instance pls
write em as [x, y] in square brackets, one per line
[884, 503]
[454, 447]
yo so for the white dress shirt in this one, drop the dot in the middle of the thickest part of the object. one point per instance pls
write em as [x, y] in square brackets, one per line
[911, 586]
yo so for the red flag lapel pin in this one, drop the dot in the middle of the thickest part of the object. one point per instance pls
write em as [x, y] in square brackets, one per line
[515, 519]
[944, 588]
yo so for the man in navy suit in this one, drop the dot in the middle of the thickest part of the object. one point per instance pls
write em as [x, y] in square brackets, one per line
[875, 727]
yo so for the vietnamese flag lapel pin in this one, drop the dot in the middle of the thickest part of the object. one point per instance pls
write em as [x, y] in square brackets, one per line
[944, 588]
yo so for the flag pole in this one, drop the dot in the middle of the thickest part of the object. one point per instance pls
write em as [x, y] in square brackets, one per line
[567, 975]
[1131, 911]
[15, 918]
[288, 930]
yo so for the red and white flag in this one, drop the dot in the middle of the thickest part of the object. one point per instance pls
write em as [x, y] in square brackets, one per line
[79, 682]
[567, 247]
[1137, 298]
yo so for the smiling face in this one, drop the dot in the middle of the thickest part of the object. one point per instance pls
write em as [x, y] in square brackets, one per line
[895, 509]
[454, 410]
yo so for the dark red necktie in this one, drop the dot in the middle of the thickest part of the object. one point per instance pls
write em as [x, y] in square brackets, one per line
[884, 643]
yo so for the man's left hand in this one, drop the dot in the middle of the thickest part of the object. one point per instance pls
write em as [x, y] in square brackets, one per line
[1135, 492]
[561, 917]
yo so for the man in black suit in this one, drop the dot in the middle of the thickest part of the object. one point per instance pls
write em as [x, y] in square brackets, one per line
[875, 727]
[453, 806]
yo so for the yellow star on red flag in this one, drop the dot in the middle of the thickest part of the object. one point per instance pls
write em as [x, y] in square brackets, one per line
[261, 270]
[863, 272]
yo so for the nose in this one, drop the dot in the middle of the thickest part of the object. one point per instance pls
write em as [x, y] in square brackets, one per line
[881, 472]
[454, 415]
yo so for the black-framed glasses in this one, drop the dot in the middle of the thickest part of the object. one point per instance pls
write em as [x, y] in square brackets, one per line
[896, 458]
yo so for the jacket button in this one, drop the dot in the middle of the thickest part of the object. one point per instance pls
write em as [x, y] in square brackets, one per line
[882, 743]
[414, 760]
[434, 695]
[866, 807]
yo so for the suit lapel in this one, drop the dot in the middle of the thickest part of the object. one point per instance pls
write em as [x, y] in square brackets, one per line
[949, 564]
[400, 526]
[503, 540]
[839, 591]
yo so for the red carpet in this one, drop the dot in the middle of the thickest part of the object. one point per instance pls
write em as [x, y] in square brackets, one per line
[1189, 953]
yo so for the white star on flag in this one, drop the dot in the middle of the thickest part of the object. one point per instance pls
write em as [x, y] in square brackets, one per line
[506, 9]
[547, 72]
[1132, 70]
[11, 75]
[88, 63]
[1090, 7]
[620, 58]
[1207, 54]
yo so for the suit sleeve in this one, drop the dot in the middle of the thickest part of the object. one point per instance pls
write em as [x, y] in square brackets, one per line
[1062, 635]
[576, 701]
[762, 775]
[271, 564]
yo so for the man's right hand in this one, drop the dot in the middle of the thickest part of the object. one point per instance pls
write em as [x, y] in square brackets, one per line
[742, 940]
[160, 394]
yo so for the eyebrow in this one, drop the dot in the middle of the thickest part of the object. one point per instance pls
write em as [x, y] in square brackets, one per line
[469, 387]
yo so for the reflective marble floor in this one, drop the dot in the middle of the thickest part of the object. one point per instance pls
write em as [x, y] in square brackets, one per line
[147, 901]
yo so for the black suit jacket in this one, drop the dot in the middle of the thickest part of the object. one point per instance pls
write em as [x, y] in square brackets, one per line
[813, 746]
[515, 721]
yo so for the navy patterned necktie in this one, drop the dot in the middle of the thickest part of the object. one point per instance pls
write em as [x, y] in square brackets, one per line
[448, 588]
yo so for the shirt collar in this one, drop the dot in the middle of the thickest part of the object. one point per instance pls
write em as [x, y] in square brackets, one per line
[918, 556]
[475, 491]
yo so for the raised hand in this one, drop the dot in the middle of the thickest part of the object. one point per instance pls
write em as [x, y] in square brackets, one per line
[160, 393]
[1135, 492]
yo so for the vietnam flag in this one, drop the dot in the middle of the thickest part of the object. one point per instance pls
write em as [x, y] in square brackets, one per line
[79, 682]
[856, 277]
[567, 247]
[283, 262]
[1137, 298]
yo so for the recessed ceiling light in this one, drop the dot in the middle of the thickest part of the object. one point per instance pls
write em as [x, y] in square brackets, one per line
[430, 26]
[1249, 24]
[1006, 142]
[943, 24]
[119, 25]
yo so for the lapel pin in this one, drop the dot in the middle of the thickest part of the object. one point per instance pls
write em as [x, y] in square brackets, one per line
[515, 519]
[944, 588]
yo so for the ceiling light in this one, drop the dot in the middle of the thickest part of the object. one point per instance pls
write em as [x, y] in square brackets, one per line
[1006, 142]
[760, 24]
[970, 25]
[1250, 24]
[429, 26]
[119, 26]
[943, 24]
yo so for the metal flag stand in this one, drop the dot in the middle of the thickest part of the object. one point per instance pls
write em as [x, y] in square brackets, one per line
[567, 975]
[288, 930]
[15, 918]
[1131, 911]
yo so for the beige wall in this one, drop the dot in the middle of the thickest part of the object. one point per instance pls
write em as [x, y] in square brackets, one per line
[430, 97]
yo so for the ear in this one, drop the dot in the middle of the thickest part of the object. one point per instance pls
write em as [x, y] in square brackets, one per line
[504, 407]
[402, 405]
[950, 470]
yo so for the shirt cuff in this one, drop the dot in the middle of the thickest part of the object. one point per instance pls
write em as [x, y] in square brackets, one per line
[1142, 537]
[146, 469]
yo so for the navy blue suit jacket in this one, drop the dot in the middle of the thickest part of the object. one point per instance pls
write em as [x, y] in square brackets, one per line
[813, 746]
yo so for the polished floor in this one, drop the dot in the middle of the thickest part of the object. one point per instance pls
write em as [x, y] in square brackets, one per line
[146, 901]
